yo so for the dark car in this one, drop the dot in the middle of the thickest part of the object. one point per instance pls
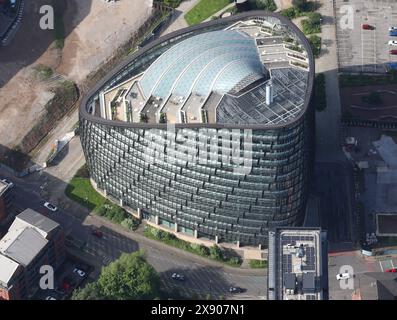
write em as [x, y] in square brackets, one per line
[368, 27]
[235, 290]
[393, 52]
[177, 276]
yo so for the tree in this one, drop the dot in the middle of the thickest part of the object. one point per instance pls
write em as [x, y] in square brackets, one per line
[129, 277]
[268, 5]
[90, 292]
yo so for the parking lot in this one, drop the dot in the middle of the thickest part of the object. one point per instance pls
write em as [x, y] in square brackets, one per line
[71, 275]
[362, 50]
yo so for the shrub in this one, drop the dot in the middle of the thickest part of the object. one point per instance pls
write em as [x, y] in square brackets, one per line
[215, 252]
[291, 13]
[312, 24]
[268, 5]
[43, 72]
[130, 223]
[257, 264]
[315, 43]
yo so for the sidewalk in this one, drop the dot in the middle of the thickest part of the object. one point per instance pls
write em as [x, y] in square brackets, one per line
[149, 243]
[328, 121]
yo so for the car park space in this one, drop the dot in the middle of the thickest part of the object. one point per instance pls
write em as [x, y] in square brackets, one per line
[365, 47]
[71, 275]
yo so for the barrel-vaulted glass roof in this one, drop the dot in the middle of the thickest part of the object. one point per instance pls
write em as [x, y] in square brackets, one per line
[212, 61]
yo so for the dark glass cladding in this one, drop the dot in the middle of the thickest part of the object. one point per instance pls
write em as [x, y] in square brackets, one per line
[210, 199]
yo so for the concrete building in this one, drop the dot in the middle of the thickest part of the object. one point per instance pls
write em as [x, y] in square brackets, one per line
[298, 264]
[32, 241]
[185, 134]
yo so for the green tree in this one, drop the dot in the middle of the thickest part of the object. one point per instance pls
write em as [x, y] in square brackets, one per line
[315, 43]
[129, 277]
[90, 292]
[268, 5]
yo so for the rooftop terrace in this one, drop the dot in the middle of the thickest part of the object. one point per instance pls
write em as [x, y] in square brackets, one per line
[251, 72]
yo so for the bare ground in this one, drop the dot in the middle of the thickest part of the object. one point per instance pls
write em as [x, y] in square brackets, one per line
[94, 30]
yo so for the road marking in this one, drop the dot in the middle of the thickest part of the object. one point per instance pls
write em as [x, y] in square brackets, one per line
[380, 262]
[362, 47]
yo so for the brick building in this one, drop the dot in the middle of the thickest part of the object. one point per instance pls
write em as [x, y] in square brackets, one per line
[32, 241]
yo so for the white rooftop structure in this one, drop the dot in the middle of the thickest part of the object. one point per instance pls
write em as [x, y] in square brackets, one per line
[8, 268]
[22, 245]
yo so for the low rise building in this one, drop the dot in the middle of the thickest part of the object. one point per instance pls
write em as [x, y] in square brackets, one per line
[298, 264]
[32, 241]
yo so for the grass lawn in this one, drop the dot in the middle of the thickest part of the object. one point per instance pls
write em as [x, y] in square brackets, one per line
[81, 191]
[204, 9]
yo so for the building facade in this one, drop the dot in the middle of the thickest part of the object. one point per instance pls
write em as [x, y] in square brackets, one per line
[5, 201]
[208, 131]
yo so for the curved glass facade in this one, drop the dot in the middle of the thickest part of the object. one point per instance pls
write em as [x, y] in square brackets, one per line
[211, 198]
[201, 64]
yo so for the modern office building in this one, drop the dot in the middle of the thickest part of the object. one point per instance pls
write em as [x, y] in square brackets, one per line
[298, 264]
[208, 131]
[32, 241]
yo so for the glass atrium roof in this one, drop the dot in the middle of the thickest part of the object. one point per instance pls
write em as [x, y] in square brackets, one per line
[212, 61]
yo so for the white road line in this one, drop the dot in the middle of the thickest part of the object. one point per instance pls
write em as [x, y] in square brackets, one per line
[380, 262]
[392, 263]
[362, 47]
[375, 49]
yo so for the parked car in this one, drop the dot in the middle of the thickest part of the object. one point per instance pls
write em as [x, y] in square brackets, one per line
[177, 276]
[394, 270]
[391, 66]
[392, 28]
[368, 27]
[394, 52]
[81, 273]
[235, 290]
[393, 33]
[97, 233]
[10, 184]
[392, 43]
[50, 206]
[342, 276]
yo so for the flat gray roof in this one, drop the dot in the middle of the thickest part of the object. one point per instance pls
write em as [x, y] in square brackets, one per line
[22, 245]
[38, 220]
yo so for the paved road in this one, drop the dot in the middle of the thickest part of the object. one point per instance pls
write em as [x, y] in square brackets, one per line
[202, 276]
